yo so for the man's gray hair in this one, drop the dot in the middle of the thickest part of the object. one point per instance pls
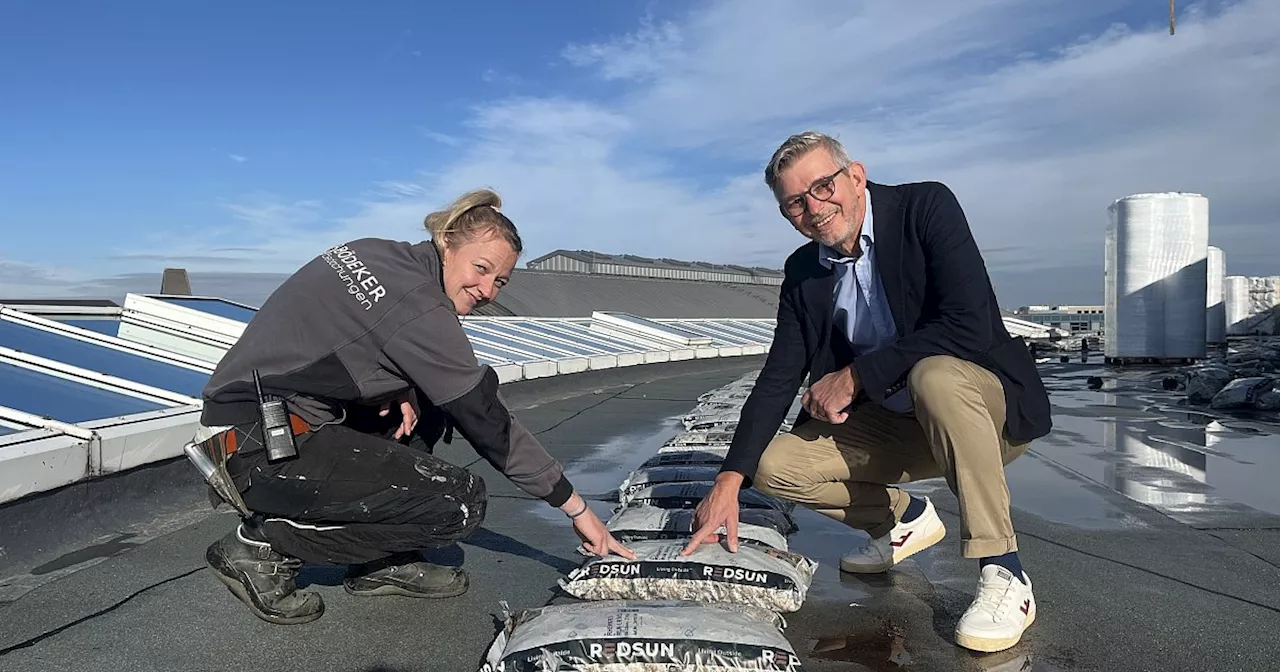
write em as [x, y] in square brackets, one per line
[797, 146]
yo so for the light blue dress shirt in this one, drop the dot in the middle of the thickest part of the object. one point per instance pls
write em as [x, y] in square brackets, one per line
[861, 308]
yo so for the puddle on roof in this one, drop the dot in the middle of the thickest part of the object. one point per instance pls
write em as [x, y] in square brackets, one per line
[1141, 441]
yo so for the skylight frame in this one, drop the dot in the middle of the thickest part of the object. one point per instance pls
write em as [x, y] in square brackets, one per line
[155, 308]
[98, 338]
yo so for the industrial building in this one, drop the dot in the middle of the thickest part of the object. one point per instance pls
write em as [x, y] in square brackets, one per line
[600, 263]
[1073, 319]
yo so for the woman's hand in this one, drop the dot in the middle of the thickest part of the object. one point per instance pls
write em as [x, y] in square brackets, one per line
[595, 537]
[408, 415]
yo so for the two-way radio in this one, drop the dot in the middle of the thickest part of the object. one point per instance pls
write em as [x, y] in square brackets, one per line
[277, 431]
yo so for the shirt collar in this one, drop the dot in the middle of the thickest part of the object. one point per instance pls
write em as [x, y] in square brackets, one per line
[828, 256]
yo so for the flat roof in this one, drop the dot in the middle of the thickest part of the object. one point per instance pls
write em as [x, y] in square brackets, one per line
[1149, 532]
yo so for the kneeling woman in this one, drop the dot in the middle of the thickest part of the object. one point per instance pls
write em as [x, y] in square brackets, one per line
[360, 343]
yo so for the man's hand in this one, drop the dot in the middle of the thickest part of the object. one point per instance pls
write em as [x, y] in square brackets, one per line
[826, 399]
[718, 509]
[409, 416]
[595, 537]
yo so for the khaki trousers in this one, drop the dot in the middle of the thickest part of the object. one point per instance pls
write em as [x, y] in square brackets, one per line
[956, 430]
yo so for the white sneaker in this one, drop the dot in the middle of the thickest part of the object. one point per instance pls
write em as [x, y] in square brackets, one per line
[902, 542]
[1002, 610]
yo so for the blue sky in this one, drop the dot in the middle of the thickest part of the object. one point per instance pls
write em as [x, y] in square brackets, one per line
[238, 138]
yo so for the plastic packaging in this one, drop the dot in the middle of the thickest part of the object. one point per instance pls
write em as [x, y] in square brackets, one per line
[646, 476]
[714, 440]
[755, 576]
[687, 456]
[640, 522]
[624, 636]
[689, 495]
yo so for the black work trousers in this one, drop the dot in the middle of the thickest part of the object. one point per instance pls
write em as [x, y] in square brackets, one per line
[352, 495]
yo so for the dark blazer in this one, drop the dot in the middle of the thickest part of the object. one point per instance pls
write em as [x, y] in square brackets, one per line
[942, 302]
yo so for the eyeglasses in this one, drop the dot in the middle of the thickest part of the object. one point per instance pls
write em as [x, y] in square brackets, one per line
[823, 190]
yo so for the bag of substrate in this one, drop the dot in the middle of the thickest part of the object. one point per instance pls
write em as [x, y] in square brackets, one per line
[708, 440]
[639, 522]
[725, 422]
[714, 406]
[738, 396]
[673, 474]
[625, 636]
[689, 495]
[694, 456]
[761, 577]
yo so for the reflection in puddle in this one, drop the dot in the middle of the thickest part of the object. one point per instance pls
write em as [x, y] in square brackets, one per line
[886, 650]
[1154, 450]
[874, 650]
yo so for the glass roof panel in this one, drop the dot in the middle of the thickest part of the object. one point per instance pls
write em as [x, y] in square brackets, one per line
[543, 338]
[212, 306]
[491, 354]
[484, 357]
[101, 359]
[632, 343]
[549, 329]
[719, 336]
[103, 325]
[6, 430]
[577, 330]
[506, 343]
[730, 327]
[66, 400]
[637, 321]
[763, 328]
[731, 330]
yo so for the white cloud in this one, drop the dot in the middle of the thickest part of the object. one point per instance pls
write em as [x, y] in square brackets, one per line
[237, 158]
[20, 278]
[442, 138]
[642, 54]
[1037, 137]
[266, 213]
[262, 233]
[1037, 114]
[494, 76]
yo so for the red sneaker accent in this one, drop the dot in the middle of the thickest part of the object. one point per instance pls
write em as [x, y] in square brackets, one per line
[1026, 606]
[903, 540]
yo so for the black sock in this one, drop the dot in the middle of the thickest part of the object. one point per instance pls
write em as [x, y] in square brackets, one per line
[1009, 561]
[914, 508]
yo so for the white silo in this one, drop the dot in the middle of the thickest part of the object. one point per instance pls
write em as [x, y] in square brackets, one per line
[1215, 328]
[1156, 276]
[1235, 290]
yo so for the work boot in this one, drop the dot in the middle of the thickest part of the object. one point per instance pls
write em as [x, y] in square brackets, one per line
[264, 580]
[405, 574]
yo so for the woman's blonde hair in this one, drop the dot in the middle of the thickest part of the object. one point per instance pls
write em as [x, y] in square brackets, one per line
[470, 216]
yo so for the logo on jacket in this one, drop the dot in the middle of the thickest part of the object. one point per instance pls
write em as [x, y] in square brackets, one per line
[360, 281]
